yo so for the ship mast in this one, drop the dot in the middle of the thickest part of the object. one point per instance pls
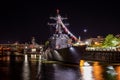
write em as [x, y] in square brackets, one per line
[60, 26]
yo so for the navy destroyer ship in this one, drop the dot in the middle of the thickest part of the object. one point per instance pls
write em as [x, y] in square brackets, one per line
[63, 45]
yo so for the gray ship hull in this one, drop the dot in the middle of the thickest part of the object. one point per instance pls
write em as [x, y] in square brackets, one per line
[70, 55]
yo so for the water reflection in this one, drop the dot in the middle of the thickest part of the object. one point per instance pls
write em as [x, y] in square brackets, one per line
[97, 71]
[26, 70]
[111, 73]
[118, 72]
[29, 67]
[5, 58]
[59, 72]
[22, 67]
[86, 70]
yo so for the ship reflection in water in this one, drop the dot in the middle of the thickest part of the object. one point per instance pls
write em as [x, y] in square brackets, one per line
[29, 67]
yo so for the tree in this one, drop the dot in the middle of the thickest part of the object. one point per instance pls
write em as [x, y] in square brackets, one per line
[111, 41]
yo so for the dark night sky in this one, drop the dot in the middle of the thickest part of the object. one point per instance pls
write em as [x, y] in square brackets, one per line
[20, 19]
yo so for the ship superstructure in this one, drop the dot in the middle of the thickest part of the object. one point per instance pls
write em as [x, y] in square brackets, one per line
[62, 37]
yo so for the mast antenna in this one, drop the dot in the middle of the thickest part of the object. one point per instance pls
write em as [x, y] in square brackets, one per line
[58, 11]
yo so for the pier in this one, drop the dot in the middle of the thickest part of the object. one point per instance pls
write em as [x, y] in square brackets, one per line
[103, 56]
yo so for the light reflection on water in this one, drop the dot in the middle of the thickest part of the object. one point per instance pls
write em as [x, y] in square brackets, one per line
[26, 71]
[91, 72]
[59, 72]
[99, 71]
[118, 72]
[86, 72]
[29, 67]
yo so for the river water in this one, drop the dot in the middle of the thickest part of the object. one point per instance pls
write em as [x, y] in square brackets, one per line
[29, 67]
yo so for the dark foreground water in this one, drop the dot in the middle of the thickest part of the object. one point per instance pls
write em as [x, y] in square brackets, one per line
[30, 68]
